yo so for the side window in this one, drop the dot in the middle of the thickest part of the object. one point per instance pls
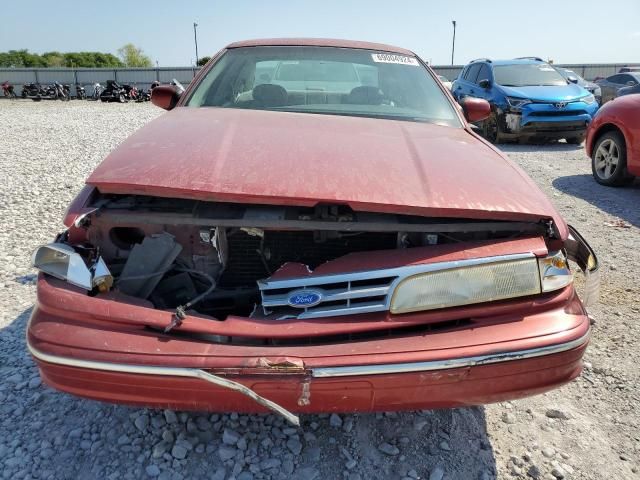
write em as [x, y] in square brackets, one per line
[472, 73]
[629, 78]
[484, 73]
[616, 78]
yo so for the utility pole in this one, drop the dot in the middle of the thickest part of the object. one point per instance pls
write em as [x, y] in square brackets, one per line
[453, 46]
[195, 39]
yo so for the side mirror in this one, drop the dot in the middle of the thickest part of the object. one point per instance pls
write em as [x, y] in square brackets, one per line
[475, 109]
[484, 83]
[631, 83]
[572, 79]
[165, 96]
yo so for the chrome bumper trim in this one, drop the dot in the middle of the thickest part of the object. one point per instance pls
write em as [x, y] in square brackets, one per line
[167, 372]
[394, 368]
[326, 372]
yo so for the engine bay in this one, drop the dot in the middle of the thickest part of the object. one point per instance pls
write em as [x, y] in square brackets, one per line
[210, 258]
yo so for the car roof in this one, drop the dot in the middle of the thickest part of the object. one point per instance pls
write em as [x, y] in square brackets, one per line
[517, 61]
[319, 42]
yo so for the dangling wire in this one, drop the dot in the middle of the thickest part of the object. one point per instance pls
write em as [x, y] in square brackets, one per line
[181, 310]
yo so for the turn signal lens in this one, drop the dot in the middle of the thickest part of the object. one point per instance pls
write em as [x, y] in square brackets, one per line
[554, 272]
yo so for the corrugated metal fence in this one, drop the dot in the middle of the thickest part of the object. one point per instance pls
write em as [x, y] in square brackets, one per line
[143, 77]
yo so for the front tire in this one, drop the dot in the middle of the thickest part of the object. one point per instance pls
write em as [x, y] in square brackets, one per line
[609, 161]
[491, 129]
[122, 98]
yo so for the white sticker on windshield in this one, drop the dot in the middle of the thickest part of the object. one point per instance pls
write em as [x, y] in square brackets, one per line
[546, 69]
[391, 58]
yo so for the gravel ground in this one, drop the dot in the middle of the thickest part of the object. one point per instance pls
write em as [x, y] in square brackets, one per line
[588, 429]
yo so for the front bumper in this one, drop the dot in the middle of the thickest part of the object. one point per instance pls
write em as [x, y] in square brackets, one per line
[549, 120]
[502, 357]
[437, 384]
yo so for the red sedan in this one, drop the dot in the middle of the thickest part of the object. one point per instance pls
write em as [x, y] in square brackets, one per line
[613, 142]
[313, 227]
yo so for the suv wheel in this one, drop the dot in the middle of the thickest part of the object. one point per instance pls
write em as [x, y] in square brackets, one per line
[491, 129]
[609, 161]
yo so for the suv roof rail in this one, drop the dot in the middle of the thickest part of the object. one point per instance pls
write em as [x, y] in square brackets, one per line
[538, 59]
[488, 60]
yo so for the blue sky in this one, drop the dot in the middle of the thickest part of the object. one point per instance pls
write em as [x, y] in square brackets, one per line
[567, 31]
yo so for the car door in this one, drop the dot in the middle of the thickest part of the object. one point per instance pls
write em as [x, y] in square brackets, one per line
[484, 74]
[610, 86]
[465, 86]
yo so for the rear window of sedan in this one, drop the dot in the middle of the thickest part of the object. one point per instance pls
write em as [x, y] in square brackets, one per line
[325, 80]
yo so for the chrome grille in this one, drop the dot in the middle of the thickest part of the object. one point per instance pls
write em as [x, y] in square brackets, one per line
[350, 293]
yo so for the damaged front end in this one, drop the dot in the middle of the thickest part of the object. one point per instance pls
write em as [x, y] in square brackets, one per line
[277, 262]
[242, 275]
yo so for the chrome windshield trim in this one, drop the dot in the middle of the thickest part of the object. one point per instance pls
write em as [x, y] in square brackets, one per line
[167, 372]
[393, 368]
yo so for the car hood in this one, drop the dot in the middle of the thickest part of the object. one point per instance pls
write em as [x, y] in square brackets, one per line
[547, 93]
[266, 157]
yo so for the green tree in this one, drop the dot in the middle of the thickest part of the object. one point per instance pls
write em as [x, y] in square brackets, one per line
[133, 56]
[21, 58]
[203, 60]
[54, 59]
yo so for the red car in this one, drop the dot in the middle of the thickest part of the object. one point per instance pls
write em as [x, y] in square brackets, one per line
[613, 142]
[313, 227]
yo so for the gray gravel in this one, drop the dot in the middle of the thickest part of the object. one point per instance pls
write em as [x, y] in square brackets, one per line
[588, 429]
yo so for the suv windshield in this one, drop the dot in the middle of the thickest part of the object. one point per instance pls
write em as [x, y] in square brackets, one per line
[324, 80]
[527, 74]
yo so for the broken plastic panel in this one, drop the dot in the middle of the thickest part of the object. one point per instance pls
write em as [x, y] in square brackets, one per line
[147, 263]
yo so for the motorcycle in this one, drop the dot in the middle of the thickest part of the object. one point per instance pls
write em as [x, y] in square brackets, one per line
[114, 92]
[81, 93]
[143, 96]
[131, 92]
[33, 91]
[7, 90]
[37, 92]
[97, 90]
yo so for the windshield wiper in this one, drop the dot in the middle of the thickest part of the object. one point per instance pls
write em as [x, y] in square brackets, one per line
[381, 116]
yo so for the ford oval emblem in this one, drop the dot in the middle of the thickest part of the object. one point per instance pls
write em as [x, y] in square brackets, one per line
[304, 298]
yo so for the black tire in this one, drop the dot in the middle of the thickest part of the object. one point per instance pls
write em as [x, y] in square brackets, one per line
[609, 160]
[491, 129]
[122, 98]
[104, 99]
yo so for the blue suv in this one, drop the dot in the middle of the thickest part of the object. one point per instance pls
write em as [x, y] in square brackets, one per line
[529, 99]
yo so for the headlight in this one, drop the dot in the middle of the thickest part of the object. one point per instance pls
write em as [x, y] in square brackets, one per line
[554, 272]
[481, 283]
[467, 285]
[62, 261]
[515, 102]
[589, 99]
[597, 92]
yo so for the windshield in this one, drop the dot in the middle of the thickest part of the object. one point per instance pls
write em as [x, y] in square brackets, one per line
[324, 80]
[527, 74]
